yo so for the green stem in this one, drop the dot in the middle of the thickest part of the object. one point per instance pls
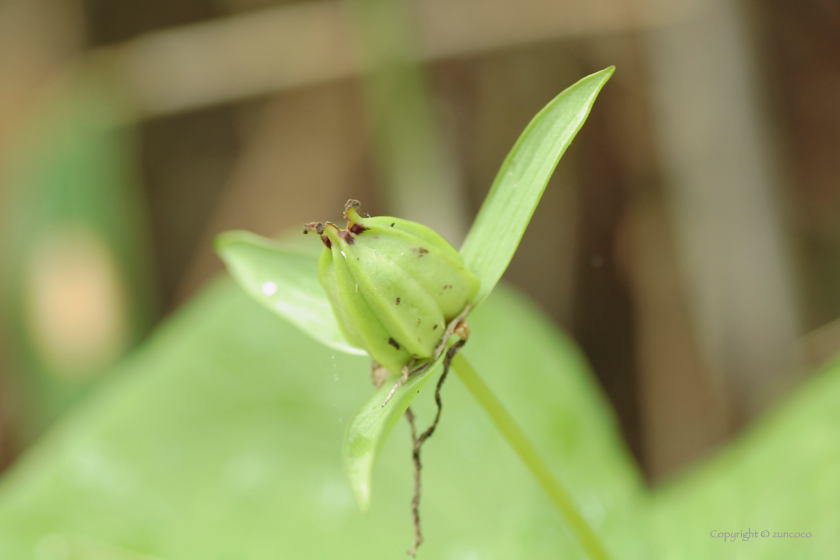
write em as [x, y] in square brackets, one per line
[517, 440]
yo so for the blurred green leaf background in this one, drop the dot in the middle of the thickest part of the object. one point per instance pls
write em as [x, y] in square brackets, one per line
[687, 250]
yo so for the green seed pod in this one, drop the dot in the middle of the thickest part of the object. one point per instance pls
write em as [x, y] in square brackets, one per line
[394, 285]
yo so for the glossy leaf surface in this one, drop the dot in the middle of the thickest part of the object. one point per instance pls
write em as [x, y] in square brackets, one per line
[520, 183]
[284, 278]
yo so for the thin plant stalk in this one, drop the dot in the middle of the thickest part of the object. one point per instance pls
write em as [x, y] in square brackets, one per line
[526, 451]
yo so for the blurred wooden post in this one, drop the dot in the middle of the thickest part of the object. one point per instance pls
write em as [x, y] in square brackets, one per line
[723, 182]
[420, 178]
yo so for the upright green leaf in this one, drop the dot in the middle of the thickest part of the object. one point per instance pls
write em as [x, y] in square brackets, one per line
[518, 187]
[283, 278]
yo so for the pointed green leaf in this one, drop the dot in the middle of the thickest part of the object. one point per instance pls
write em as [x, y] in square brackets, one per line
[518, 187]
[283, 278]
[369, 428]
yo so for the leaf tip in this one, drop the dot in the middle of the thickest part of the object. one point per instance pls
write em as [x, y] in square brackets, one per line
[357, 467]
[361, 491]
[225, 239]
[602, 76]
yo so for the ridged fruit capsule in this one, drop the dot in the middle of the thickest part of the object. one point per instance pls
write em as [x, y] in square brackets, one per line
[394, 285]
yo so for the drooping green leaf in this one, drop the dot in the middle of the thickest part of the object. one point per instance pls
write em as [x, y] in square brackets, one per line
[220, 439]
[283, 278]
[370, 427]
[519, 185]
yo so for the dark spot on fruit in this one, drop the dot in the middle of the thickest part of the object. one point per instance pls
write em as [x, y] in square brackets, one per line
[326, 241]
[435, 327]
[398, 301]
[347, 236]
[448, 286]
[394, 343]
[392, 225]
[357, 228]
[420, 250]
[418, 321]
